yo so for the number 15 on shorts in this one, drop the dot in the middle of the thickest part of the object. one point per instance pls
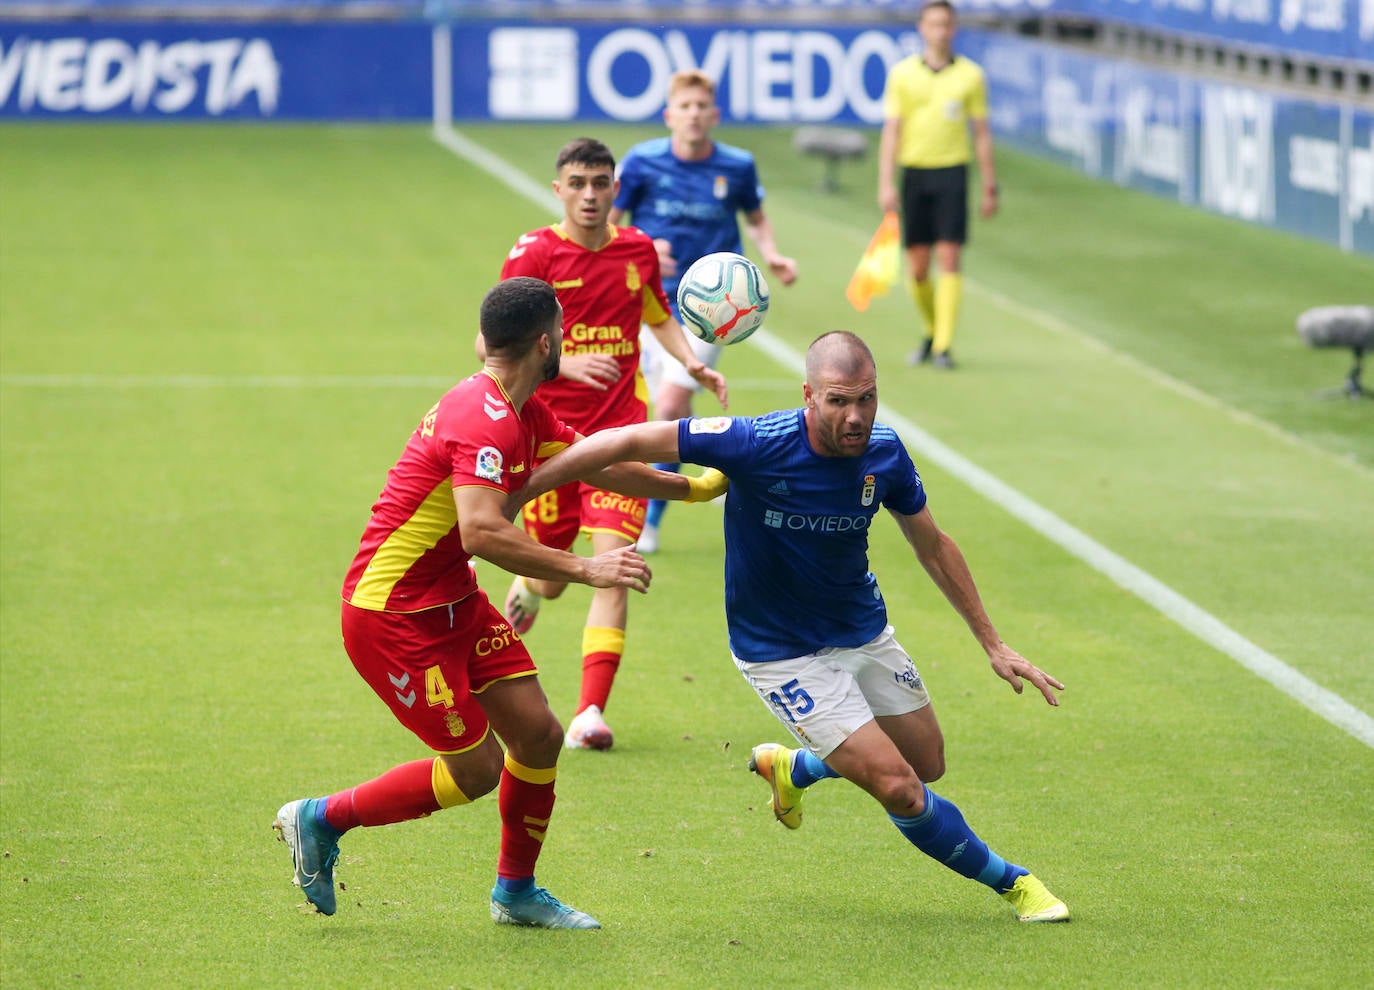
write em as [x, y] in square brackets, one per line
[791, 701]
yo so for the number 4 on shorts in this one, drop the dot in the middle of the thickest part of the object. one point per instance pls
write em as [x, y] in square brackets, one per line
[437, 691]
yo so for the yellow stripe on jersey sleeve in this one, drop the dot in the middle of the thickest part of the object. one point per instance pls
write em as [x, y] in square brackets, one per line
[548, 448]
[654, 313]
[431, 522]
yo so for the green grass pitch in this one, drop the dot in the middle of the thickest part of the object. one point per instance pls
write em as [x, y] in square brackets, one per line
[213, 343]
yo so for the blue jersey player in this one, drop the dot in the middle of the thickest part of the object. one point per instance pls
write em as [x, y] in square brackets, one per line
[807, 623]
[686, 191]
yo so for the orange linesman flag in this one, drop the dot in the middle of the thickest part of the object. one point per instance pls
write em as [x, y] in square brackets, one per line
[879, 266]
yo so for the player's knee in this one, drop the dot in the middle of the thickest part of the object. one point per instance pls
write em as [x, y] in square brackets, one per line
[471, 774]
[548, 590]
[931, 768]
[539, 742]
[900, 791]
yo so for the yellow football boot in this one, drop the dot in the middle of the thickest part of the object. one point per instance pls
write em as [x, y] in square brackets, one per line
[773, 763]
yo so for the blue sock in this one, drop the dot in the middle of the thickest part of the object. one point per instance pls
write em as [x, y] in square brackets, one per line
[657, 505]
[655, 514]
[320, 820]
[516, 886]
[807, 768]
[942, 834]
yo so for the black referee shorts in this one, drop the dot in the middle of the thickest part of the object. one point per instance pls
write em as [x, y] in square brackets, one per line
[935, 205]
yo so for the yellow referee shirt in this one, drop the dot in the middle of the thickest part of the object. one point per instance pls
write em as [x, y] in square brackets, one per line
[935, 108]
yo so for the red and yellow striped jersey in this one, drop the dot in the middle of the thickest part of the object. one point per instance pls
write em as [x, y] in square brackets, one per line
[412, 555]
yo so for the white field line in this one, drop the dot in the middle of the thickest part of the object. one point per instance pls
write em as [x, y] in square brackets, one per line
[1168, 602]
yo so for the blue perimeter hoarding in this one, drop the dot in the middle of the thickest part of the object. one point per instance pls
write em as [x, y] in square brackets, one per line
[1296, 164]
[1333, 29]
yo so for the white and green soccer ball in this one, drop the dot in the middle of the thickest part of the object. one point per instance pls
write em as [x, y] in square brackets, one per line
[722, 298]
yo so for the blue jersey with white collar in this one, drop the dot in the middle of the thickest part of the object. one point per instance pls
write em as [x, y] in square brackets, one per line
[691, 204]
[796, 530]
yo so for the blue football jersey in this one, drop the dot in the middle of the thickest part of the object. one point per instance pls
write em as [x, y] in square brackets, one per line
[692, 205]
[796, 530]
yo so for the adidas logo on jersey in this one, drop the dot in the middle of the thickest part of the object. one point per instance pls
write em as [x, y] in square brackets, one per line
[779, 488]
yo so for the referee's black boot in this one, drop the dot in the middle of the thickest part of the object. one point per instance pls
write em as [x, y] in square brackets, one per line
[922, 354]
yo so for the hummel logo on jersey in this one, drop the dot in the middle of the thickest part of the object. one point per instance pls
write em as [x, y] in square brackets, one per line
[494, 410]
[780, 488]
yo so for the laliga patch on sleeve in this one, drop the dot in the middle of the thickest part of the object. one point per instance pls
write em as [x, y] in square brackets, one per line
[489, 464]
[710, 424]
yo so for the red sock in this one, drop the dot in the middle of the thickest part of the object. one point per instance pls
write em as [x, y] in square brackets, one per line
[400, 794]
[526, 802]
[601, 651]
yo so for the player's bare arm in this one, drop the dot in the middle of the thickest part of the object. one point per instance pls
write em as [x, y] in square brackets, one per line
[615, 457]
[487, 533]
[674, 340]
[760, 231]
[945, 563]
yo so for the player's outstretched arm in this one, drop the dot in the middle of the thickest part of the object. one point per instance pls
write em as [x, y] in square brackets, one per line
[619, 568]
[613, 459]
[945, 563]
[488, 534]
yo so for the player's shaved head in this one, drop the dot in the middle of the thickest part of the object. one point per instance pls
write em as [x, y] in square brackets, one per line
[838, 354]
[516, 313]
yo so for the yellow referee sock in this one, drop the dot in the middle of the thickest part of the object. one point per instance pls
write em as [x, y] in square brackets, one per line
[949, 288]
[923, 294]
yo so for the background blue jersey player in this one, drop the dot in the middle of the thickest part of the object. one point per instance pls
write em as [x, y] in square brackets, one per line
[686, 192]
[807, 623]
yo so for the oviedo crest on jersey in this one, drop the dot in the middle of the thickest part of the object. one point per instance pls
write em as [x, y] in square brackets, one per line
[722, 187]
[870, 487]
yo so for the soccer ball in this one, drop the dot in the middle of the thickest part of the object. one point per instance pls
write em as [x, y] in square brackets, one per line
[722, 298]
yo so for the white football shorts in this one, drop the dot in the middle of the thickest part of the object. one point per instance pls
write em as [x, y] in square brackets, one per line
[824, 697]
[660, 366]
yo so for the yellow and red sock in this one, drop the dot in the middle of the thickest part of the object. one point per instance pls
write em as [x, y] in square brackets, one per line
[526, 802]
[602, 648]
[411, 790]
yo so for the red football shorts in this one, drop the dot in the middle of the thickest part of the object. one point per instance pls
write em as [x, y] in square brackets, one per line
[555, 517]
[427, 666]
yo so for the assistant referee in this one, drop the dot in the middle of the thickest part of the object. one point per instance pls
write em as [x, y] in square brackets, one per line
[931, 104]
